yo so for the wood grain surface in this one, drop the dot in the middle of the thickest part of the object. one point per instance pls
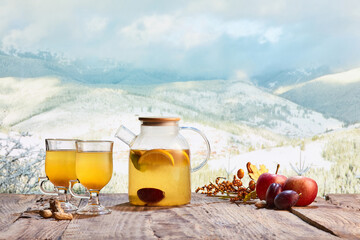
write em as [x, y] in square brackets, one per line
[29, 224]
[204, 218]
[12, 206]
[351, 201]
[337, 219]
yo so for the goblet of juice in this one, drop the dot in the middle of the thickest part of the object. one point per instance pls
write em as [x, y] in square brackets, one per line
[94, 168]
[60, 163]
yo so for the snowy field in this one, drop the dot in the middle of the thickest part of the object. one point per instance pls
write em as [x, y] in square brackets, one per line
[285, 156]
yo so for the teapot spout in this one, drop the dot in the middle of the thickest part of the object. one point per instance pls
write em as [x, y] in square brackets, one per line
[125, 135]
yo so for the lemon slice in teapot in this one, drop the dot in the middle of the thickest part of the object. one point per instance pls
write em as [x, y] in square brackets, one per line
[181, 157]
[186, 157]
[134, 157]
[156, 157]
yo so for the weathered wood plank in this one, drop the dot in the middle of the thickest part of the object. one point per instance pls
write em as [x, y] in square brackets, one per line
[204, 218]
[12, 206]
[345, 200]
[341, 221]
[29, 225]
[125, 220]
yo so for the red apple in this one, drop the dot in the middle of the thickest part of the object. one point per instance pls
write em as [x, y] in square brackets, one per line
[304, 185]
[264, 182]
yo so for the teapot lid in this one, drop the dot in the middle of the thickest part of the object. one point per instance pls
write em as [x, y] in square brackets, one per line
[159, 121]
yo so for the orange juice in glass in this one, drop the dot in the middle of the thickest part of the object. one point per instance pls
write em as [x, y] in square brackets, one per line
[94, 168]
[60, 168]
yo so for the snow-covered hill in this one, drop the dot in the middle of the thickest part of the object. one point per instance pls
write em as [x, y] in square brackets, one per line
[230, 105]
[86, 71]
[275, 79]
[240, 103]
[49, 108]
[336, 95]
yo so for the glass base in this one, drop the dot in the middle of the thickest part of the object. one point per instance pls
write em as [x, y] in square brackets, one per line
[93, 210]
[68, 207]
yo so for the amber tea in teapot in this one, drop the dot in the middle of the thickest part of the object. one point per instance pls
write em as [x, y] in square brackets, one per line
[166, 171]
[159, 162]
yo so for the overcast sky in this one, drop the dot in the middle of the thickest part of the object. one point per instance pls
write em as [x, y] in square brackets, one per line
[213, 36]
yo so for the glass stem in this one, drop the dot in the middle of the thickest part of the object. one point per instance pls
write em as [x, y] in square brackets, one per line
[62, 195]
[94, 197]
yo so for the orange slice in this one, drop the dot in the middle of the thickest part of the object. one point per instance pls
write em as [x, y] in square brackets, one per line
[134, 157]
[186, 157]
[156, 157]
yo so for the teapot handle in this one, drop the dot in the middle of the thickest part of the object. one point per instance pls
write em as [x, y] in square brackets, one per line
[207, 147]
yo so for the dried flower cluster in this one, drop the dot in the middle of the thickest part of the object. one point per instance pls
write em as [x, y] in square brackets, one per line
[234, 189]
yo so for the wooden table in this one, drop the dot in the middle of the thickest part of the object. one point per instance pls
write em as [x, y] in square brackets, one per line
[204, 218]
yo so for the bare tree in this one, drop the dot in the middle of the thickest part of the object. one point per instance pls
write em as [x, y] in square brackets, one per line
[300, 167]
[20, 164]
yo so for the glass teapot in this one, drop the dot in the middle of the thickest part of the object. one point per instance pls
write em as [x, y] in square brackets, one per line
[159, 162]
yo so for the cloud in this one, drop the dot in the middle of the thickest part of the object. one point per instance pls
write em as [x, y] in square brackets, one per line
[188, 32]
[23, 38]
[97, 24]
[271, 35]
[242, 28]
[203, 35]
[148, 28]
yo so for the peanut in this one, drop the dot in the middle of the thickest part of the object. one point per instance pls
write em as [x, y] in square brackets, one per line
[55, 206]
[46, 213]
[56, 211]
[260, 204]
[63, 216]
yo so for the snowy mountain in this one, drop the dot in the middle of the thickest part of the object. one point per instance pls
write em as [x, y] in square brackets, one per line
[275, 79]
[224, 103]
[87, 71]
[336, 95]
[241, 103]
[49, 108]
[230, 104]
